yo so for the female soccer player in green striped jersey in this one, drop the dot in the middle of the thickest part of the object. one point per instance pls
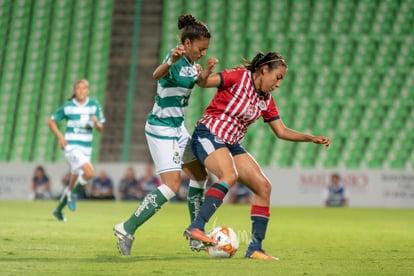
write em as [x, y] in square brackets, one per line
[168, 140]
[82, 114]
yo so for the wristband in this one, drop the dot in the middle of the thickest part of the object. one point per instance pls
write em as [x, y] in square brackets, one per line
[169, 62]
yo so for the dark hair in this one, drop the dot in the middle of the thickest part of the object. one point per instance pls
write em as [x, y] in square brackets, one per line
[336, 175]
[40, 168]
[191, 28]
[272, 59]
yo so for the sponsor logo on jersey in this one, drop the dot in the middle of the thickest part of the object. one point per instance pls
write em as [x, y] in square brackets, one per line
[188, 71]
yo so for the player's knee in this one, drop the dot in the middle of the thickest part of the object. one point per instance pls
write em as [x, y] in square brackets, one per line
[88, 174]
[200, 175]
[265, 189]
[174, 185]
[231, 178]
[175, 188]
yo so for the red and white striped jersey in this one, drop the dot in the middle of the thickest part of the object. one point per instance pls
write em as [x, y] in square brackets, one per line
[236, 105]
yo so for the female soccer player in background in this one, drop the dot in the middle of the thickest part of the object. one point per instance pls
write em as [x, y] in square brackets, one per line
[82, 114]
[244, 94]
[168, 140]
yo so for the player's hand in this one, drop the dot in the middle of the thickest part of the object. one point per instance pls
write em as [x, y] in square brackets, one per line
[211, 64]
[198, 68]
[177, 53]
[62, 143]
[321, 140]
[94, 119]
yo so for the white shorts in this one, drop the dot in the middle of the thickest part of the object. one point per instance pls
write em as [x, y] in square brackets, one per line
[76, 160]
[170, 154]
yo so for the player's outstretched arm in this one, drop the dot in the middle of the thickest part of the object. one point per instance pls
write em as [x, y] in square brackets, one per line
[288, 134]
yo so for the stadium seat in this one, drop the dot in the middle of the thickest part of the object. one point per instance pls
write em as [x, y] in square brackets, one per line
[31, 83]
[300, 17]
[321, 14]
[196, 8]
[256, 23]
[4, 21]
[384, 18]
[323, 50]
[301, 46]
[11, 77]
[363, 16]
[278, 19]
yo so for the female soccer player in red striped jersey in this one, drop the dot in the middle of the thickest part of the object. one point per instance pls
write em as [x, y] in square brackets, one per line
[244, 94]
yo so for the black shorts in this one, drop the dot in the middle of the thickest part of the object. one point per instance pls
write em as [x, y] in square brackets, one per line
[204, 142]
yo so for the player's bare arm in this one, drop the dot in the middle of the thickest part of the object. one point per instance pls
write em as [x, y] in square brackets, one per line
[163, 69]
[54, 128]
[98, 125]
[288, 134]
[204, 75]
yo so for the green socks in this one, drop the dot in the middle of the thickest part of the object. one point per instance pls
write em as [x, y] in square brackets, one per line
[195, 199]
[77, 188]
[64, 198]
[151, 203]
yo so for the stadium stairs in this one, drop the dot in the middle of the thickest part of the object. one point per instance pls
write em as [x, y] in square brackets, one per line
[118, 78]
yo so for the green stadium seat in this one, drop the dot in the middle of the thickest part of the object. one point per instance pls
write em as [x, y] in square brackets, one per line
[321, 14]
[343, 51]
[279, 42]
[323, 50]
[196, 8]
[170, 33]
[300, 17]
[236, 17]
[365, 52]
[384, 18]
[404, 21]
[13, 60]
[363, 18]
[278, 18]
[256, 23]
[4, 20]
[255, 42]
[31, 83]
[342, 17]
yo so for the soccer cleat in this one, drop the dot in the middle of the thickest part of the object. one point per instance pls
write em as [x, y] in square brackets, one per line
[261, 255]
[196, 245]
[58, 214]
[72, 201]
[199, 235]
[125, 240]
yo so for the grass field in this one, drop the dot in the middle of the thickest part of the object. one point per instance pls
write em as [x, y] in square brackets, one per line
[308, 241]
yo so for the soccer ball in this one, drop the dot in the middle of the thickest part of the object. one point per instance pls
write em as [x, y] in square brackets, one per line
[227, 242]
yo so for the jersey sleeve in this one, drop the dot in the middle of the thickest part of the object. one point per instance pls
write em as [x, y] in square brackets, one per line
[172, 73]
[229, 77]
[271, 113]
[99, 113]
[59, 115]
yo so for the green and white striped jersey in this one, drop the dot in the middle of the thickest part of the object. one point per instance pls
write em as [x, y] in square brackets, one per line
[173, 94]
[79, 127]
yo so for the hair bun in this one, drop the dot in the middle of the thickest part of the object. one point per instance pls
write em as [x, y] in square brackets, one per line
[186, 20]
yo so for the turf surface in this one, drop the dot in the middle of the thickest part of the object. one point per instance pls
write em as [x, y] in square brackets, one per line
[308, 241]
